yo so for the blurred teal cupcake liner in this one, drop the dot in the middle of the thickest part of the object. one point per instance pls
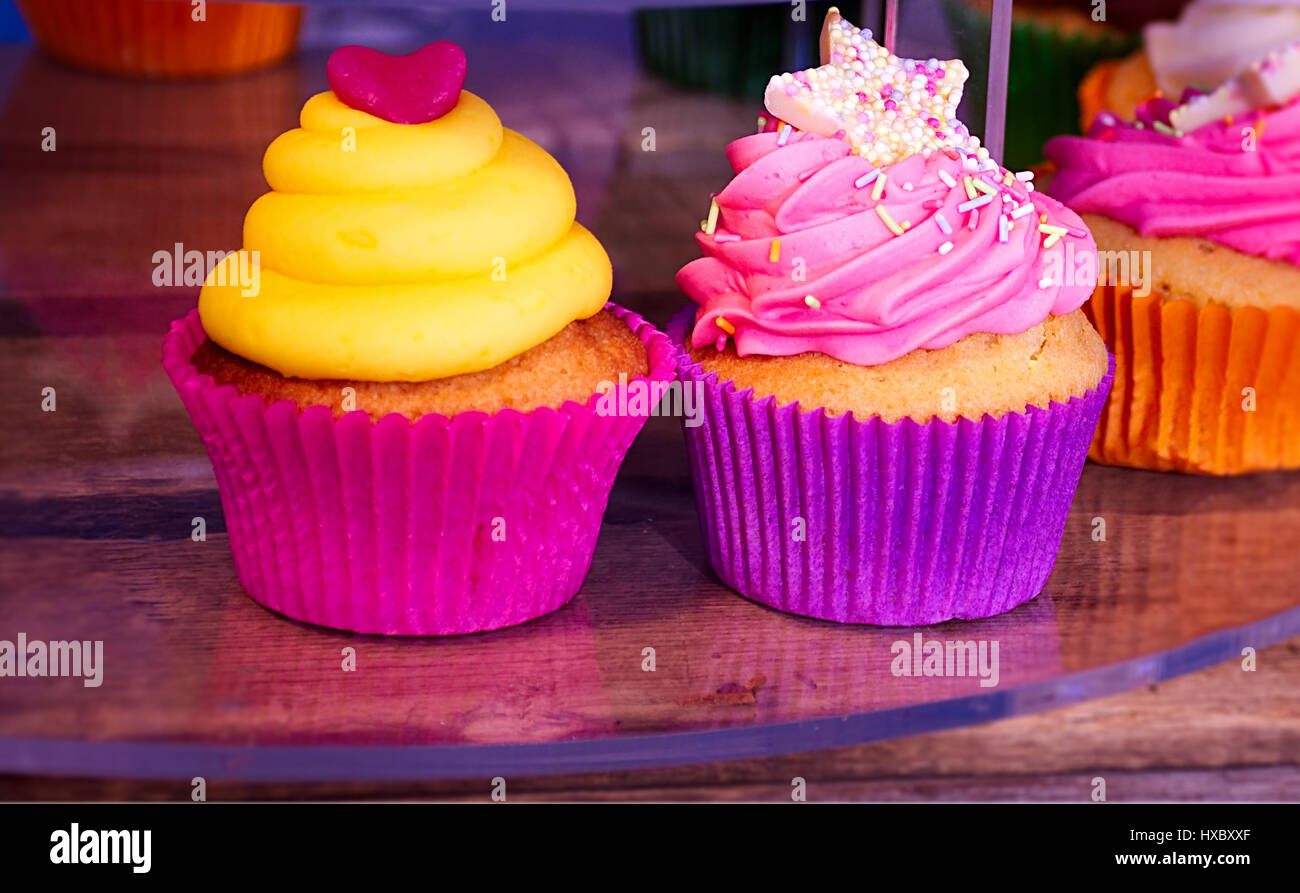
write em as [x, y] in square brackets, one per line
[733, 50]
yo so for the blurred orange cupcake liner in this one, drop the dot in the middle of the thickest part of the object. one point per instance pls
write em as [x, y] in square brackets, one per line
[1093, 90]
[1201, 390]
[157, 38]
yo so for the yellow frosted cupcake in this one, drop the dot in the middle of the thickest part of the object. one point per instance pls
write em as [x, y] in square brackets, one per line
[398, 377]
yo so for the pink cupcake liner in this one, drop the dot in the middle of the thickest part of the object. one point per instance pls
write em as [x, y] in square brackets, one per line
[905, 523]
[388, 527]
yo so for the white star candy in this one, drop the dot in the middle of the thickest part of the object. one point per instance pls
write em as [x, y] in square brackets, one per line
[1272, 81]
[887, 108]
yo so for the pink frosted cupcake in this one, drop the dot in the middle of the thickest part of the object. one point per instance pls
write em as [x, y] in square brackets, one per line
[898, 385]
[399, 378]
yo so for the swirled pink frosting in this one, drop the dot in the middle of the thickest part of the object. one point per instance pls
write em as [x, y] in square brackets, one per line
[1210, 182]
[875, 295]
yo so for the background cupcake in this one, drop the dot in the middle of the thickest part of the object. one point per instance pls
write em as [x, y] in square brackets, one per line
[898, 390]
[1210, 42]
[1197, 207]
[396, 378]
[161, 38]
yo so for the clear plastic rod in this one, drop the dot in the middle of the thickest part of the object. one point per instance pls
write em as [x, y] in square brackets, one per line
[995, 113]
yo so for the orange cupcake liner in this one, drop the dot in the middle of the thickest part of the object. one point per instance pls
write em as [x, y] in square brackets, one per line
[1201, 390]
[157, 38]
[1093, 90]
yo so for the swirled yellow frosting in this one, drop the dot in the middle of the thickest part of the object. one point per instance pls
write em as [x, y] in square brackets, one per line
[404, 252]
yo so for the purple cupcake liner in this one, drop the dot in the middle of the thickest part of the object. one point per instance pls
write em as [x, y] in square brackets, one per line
[903, 524]
[437, 527]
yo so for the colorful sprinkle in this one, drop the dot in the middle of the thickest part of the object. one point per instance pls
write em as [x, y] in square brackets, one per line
[812, 302]
[889, 221]
[947, 179]
[866, 179]
[1002, 228]
[712, 223]
[1022, 211]
[984, 187]
[879, 189]
[974, 203]
[725, 326]
[784, 135]
[945, 247]
[1024, 176]
[774, 253]
[974, 219]
[970, 186]
[721, 343]
[942, 222]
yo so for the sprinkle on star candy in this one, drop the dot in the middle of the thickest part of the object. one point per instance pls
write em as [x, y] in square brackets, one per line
[887, 108]
[1270, 82]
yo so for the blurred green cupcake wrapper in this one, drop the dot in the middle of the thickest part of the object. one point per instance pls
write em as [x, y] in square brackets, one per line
[1047, 64]
[733, 50]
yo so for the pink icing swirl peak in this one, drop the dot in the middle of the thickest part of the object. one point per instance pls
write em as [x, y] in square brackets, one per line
[1235, 183]
[943, 270]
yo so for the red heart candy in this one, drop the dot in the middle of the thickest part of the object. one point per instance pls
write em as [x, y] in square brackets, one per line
[410, 89]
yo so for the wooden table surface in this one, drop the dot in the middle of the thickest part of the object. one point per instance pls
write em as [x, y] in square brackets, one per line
[140, 166]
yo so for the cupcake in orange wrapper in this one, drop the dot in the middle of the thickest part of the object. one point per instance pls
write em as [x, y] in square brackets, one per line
[409, 381]
[161, 38]
[1196, 212]
[897, 385]
[1210, 42]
